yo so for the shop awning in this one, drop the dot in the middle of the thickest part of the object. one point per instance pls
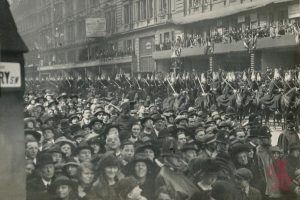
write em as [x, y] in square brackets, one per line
[230, 10]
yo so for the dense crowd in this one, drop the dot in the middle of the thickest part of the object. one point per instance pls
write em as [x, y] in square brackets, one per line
[229, 36]
[161, 143]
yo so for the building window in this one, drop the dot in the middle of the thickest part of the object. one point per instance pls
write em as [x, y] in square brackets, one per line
[126, 14]
[143, 10]
[81, 30]
[150, 9]
[110, 17]
[163, 6]
[69, 8]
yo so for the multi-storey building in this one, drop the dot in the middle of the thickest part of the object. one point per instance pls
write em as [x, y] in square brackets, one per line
[141, 34]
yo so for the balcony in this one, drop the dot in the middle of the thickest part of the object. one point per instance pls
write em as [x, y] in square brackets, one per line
[91, 63]
[220, 48]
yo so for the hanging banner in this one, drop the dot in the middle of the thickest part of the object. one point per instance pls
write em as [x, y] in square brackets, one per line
[10, 75]
[95, 27]
[294, 11]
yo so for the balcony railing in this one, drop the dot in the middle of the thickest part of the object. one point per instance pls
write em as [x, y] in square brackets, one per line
[220, 48]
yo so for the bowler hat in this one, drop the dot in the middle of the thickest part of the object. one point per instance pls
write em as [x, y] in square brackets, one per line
[44, 159]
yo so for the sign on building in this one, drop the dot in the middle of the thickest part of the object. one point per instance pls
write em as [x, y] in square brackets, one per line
[10, 75]
[95, 27]
[294, 11]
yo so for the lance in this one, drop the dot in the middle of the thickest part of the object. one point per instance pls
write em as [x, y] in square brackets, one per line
[273, 82]
[128, 82]
[146, 82]
[137, 83]
[171, 86]
[116, 83]
[228, 84]
[200, 84]
[116, 107]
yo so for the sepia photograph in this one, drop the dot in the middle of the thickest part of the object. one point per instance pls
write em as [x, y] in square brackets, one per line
[150, 99]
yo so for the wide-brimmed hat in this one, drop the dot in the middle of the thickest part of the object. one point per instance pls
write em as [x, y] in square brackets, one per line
[147, 145]
[156, 117]
[238, 148]
[81, 146]
[62, 180]
[139, 157]
[145, 118]
[34, 133]
[62, 140]
[62, 95]
[71, 117]
[108, 160]
[70, 161]
[93, 121]
[180, 118]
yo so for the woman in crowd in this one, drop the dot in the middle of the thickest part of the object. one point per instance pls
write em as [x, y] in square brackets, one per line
[105, 185]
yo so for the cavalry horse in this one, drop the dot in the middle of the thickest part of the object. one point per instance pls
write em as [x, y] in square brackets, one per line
[280, 106]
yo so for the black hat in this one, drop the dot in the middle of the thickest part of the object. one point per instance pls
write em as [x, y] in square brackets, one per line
[62, 95]
[81, 146]
[110, 127]
[54, 149]
[156, 117]
[108, 160]
[239, 148]
[45, 127]
[139, 157]
[34, 133]
[147, 145]
[264, 132]
[205, 166]
[70, 161]
[63, 140]
[144, 119]
[44, 159]
[73, 116]
[62, 180]
[93, 121]
[244, 173]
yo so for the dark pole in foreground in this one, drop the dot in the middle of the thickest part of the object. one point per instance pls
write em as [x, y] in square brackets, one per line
[12, 178]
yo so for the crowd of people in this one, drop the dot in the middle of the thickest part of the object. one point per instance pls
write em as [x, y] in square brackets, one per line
[159, 143]
[229, 36]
